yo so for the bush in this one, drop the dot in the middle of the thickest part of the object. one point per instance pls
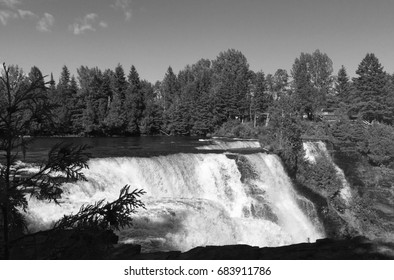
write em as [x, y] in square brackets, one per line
[379, 144]
[321, 177]
[315, 130]
[234, 128]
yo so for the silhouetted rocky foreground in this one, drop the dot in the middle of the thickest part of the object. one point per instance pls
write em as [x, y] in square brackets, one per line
[77, 245]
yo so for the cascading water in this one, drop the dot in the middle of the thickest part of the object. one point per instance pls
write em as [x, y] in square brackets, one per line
[314, 150]
[196, 199]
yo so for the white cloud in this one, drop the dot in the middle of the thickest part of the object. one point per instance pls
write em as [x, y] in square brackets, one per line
[12, 11]
[10, 3]
[5, 15]
[103, 24]
[84, 24]
[87, 23]
[125, 6]
[45, 23]
[24, 14]
[91, 16]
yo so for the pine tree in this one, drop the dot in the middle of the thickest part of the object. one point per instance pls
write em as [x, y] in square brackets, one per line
[134, 103]
[170, 91]
[22, 101]
[95, 103]
[63, 99]
[37, 125]
[115, 121]
[370, 97]
[76, 107]
[120, 83]
[151, 120]
[342, 84]
[201, 107]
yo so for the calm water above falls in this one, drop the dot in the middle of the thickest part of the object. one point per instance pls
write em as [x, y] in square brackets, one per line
[197, 194]
[145, 146]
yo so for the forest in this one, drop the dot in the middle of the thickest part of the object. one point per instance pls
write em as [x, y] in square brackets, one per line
[206, 95]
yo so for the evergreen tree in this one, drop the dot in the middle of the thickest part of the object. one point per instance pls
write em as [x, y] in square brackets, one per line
[201, 120]
[134, 103]
[262, 99]
[151, 120]
[106, 96]
[76, 107]
[340, 97]
[63, 99]
[342, 84]
[48, 127]
[120, 83]
[170, 91]
[38, 124]
[22, 101]
[370, 98]
[95, 103]
[115, 121]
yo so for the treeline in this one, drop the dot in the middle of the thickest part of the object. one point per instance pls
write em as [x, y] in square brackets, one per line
[203, 96]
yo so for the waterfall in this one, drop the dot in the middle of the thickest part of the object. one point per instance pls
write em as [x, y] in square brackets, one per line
[195, 200]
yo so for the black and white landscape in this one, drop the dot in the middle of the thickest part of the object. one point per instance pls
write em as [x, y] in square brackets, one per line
[196, 129]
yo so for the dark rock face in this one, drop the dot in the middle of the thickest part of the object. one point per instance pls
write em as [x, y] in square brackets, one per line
[63, 245]
[325, 249]
[96, 245]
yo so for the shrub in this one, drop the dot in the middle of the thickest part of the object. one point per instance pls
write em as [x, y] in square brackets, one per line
[234, 128]
[321, 176]
[379, 144]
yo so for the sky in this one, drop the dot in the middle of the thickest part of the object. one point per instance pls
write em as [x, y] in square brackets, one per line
[155, 34]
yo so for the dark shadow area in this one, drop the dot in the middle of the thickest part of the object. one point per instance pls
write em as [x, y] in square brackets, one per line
[357, 248]
[96, 243]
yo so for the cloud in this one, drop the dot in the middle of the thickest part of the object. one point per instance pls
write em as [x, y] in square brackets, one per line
[45, 23]
[87, 23]
[12, 12]
[103, 24]
[10, 3]
[5, 15]
[125, 6]
[24, 14]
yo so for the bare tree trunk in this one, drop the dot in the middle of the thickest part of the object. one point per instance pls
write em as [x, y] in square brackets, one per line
[255, 120]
